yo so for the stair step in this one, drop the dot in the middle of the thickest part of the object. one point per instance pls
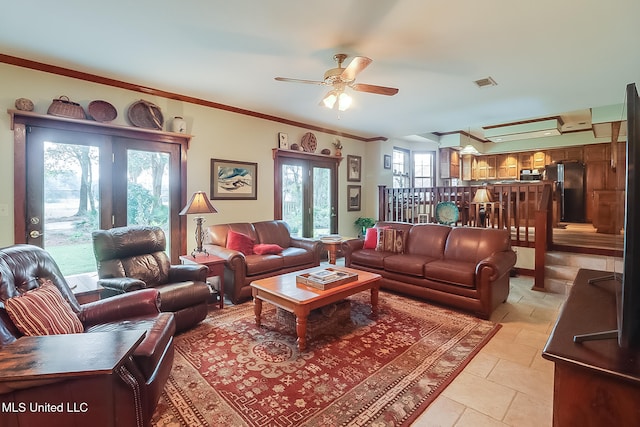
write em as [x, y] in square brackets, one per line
[562, 272]
[558, 286]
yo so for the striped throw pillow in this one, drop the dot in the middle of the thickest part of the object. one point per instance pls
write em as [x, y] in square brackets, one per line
[390, 240]
[43, 311]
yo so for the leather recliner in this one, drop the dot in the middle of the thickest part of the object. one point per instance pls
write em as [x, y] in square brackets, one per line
[133, 401]
[133, 258]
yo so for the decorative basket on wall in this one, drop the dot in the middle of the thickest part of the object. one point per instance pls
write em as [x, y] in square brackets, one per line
[64, 107]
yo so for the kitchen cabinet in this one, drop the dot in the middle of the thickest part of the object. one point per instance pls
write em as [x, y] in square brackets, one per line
[468, 167]
[449, 163]
[507, 165]
[539, 160]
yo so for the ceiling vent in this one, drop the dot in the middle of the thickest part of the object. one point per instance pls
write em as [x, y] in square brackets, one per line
[488, 81]
[539, 129]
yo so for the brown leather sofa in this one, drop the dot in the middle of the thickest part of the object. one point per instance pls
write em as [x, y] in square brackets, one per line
[240, 270]
[134, 257]
[149, 366]
[462, 267]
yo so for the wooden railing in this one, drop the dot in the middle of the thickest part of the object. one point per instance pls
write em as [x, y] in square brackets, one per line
[523, 208]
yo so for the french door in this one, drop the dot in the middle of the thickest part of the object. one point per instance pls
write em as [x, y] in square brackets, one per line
[77, 182]
[307, 201]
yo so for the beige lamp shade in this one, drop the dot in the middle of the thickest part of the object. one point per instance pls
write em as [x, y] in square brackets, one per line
[199, 204]
[482, 196]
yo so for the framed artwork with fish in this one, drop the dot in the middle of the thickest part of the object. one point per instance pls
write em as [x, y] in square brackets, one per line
[233, 180]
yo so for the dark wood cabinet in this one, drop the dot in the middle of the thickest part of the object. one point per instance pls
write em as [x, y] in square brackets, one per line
[596, 383]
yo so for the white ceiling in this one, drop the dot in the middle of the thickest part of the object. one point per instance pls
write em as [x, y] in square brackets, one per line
[547, 56]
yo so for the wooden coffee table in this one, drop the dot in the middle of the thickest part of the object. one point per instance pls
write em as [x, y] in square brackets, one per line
[283, 291]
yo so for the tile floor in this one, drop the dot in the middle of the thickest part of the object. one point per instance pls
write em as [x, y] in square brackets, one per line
[508, 383]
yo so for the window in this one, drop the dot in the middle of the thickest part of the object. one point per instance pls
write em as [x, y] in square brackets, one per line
[401, 168]
[423, 169]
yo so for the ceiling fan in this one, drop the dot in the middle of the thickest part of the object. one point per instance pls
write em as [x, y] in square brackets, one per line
[340, 78]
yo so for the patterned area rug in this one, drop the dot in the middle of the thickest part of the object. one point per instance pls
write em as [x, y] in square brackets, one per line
[374, 372]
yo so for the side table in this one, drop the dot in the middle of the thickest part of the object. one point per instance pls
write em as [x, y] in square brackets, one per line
[88, 378]
[215, 265]
[85, 287]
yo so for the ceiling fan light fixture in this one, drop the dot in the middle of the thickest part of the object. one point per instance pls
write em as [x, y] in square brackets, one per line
[336, 98]
[344, 101]
[330, 99]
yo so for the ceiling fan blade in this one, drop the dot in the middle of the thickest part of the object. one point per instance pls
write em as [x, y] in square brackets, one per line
[286, 79]
[358, 64]
[380, 90]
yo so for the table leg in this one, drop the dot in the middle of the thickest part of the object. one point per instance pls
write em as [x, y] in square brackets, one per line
[374, 301]
[332, 255]
[301, 331]
[257, 309]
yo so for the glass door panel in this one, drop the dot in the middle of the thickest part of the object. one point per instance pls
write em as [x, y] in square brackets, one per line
[63, 197]
[293, 198]
[323, 211]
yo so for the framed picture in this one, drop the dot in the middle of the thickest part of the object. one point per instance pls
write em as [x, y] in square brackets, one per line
[233, 180]
[283, 140]
[354, 197]
[387, 161]
[354, 168]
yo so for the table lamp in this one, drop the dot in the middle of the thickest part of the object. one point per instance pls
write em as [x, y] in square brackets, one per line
[199, 204]
[482, 196]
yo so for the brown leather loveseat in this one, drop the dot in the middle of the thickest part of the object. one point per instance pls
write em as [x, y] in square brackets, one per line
[240, 269]
[135, 395]
[463, 267]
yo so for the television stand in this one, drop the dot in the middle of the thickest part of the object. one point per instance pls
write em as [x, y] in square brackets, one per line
[595, 383]
[607, 278]
[604, 335]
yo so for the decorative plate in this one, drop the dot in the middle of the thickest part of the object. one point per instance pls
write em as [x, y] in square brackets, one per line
[309, 142]
[447, 213]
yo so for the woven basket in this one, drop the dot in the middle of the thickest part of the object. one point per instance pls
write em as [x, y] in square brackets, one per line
[63, 107]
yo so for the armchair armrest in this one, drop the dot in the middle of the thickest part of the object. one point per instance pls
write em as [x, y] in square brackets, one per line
[188, 272]
[123, 306]
[122, 284]
[233, 259]
[499, 263]
[310, 245]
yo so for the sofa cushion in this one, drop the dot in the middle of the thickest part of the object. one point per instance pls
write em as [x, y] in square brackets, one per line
[370, 258]
[292, 257]
[276, 231]
[471, 244]
[427, 239]
[390, 240]
[43, 311]
[240, 242]
[407, 264]
[459, 273]
[266, 249]
[260, 264]
[371, 238]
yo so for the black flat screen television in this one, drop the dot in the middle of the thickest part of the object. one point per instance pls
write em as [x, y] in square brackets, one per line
[628, 294]
[629, 303]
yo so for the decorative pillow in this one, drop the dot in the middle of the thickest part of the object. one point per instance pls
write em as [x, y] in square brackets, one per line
[43, 311]
[371, 239]
[240, 242]
[390, 240]
[267, 248]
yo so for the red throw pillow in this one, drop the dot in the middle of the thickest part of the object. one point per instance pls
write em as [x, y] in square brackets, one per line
[240, 242]
[43, 311]
[371, 239]
[267, 248]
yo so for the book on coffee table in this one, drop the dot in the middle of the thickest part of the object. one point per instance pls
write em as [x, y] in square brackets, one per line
[335, 278]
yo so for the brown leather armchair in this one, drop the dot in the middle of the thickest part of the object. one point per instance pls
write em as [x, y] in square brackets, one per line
[134, 398]
[134, 258]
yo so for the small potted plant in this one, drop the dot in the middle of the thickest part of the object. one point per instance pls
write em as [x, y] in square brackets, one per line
[364, 223]
[338, 146]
